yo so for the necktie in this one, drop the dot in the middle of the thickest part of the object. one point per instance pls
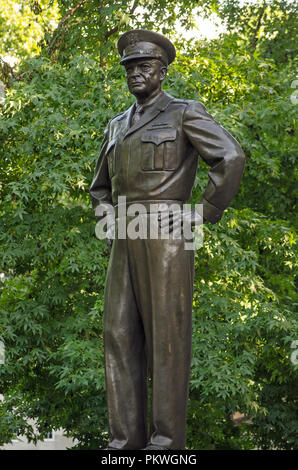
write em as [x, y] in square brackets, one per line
[137, 115]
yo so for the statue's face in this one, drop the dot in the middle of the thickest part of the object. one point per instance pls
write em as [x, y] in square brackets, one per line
[144, 76]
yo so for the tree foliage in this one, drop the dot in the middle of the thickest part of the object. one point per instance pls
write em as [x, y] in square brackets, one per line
[24, 28]
[58, 102]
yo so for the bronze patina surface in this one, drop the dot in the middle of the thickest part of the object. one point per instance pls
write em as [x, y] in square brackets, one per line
[150, 153]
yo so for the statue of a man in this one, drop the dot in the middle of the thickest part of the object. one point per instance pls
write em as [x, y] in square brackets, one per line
[150, 155]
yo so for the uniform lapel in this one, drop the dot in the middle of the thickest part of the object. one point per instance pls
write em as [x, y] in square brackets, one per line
[125, 120]
[159, 106]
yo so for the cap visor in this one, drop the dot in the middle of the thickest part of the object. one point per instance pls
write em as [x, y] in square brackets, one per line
[138, 56]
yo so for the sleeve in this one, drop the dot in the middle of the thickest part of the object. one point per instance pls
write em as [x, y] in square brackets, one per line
[221, 152]
[100, 190]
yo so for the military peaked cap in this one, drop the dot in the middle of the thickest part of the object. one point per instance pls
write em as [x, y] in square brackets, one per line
[141, 43]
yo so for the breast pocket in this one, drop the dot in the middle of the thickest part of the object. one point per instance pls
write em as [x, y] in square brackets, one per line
[110, 153]
[159, 149]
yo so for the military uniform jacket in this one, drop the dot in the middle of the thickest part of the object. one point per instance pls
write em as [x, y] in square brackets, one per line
[157, 157]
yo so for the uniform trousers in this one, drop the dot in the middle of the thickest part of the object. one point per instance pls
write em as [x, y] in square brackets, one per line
[148, 332]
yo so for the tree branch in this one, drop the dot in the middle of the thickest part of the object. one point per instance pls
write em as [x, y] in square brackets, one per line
[61, 24]
[8, 67]
[6, 72]
[116, 28]
[255, 33]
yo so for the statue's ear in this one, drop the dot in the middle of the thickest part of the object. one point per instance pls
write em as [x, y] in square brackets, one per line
[163, 72]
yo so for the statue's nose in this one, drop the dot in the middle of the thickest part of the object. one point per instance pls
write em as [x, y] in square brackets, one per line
[135, 72]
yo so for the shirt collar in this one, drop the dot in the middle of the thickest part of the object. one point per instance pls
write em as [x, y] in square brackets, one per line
[147, 104]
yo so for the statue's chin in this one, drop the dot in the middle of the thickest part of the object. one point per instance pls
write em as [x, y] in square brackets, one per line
[138, 92]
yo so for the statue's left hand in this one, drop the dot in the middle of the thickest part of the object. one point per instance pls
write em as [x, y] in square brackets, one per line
[177, 219]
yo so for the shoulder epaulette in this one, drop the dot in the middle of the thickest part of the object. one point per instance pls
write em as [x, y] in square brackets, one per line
[115, 117]
[177, 100]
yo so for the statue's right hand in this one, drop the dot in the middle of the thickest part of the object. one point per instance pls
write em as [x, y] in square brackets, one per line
[110, 243]
[110, 235]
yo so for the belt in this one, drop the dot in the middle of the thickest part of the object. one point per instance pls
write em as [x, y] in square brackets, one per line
[148, 206]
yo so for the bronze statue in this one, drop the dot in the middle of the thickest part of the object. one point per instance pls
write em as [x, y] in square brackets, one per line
[150, 154]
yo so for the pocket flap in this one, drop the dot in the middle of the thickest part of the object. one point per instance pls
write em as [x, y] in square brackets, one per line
[157, 136]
